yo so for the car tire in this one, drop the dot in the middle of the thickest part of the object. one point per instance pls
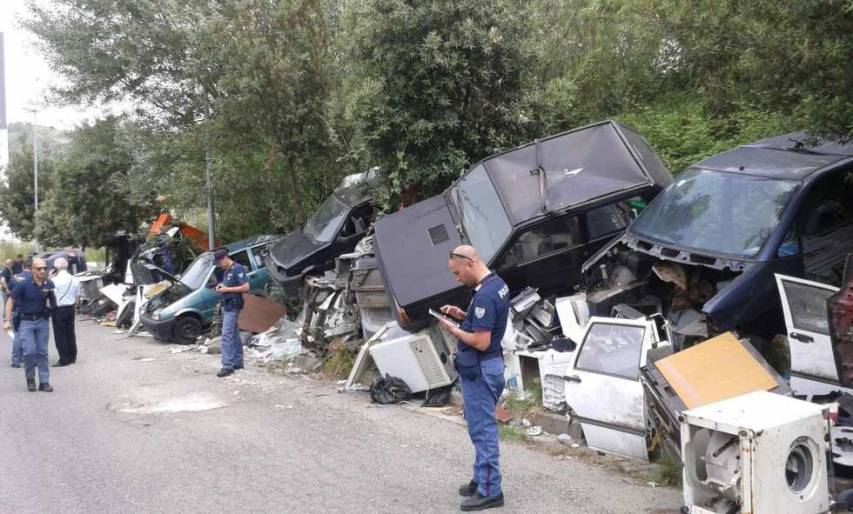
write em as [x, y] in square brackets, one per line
[187, 329]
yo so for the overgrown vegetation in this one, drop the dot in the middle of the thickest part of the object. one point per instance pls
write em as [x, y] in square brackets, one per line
[667, 471]
[283, 97]
[339, 360]
[511, 433]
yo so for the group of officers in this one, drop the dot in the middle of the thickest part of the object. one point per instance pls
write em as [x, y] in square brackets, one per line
[32, 296]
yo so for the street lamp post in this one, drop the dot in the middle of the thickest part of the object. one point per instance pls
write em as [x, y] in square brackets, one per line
[35, 162]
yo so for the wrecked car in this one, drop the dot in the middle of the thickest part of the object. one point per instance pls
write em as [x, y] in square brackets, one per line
[535, 214]
[76, 259]
[182, 311]
[335, 228]
[704, 252]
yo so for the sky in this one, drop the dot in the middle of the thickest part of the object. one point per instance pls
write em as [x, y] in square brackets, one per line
[28, 76]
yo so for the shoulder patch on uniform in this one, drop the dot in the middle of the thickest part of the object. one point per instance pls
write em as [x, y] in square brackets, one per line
[504, 291]
[479, 312]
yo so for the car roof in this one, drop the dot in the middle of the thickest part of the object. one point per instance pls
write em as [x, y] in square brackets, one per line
[581, 165]
[794, 156]
[251, 241]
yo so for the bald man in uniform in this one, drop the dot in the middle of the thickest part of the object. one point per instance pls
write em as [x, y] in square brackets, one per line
[479, 362]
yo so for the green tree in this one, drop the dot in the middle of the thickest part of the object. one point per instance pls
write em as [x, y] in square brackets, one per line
[438, 85]
[17, 204]
[91, 196]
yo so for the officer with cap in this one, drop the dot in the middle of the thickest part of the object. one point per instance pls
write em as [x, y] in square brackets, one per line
[233, 284]
[479, 362]
[35, 301]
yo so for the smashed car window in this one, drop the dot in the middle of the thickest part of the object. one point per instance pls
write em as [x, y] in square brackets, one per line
[323, 225]
[716, 212]
[486, 223]
[612, 350]
[196, 274]
[808, 307]
[606, 220]
[543, 239]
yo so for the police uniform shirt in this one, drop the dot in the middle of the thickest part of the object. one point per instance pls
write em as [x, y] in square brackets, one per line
[32, 299]
[487, 312]
[19, 278]
[233, 277]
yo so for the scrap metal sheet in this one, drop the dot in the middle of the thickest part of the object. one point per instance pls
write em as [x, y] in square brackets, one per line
[717, 369]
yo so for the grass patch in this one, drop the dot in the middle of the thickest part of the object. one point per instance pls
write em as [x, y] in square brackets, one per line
[667, 471]
[510, 433]
[339, 362]
[519, 405]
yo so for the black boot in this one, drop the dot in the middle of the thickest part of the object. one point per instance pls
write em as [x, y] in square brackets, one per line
[468, 489]
[46, 388]
[480, 502]
[31, 384]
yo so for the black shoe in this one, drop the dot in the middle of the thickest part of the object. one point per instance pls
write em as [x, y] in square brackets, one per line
[480, 502]
[16, 364]
[468, 489]
[46, 388]
[224, 372]
[59, 364]
[31, 384]
[238, 367]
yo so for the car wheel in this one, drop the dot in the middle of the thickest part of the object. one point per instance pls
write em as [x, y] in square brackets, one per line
[187, 329]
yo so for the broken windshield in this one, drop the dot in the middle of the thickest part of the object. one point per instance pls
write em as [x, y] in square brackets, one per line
[321, 227]
[483, 217]
[716, 212]
[196, 274]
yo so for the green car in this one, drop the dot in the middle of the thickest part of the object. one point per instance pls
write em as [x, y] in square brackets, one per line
[183, 310]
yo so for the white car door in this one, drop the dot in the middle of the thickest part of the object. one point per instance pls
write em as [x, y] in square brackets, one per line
[603, 387]
[813, 365]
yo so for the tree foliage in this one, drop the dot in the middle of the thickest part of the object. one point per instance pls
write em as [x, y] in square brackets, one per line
[17, 199]
[286, 96]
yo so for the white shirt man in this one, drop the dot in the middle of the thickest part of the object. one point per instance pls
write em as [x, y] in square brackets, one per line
[67, 289]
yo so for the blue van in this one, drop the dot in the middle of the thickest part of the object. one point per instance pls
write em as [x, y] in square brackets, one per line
[183, 310]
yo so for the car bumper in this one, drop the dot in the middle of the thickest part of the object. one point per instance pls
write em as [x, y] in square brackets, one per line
[160, 329]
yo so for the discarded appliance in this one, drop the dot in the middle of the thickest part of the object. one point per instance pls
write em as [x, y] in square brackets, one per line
[423, 360]
[367, 289]
[602, 385]
[708, 246]
[534, 213]
[720, 368]
[819, 325]
[335, 228]
[759, 453]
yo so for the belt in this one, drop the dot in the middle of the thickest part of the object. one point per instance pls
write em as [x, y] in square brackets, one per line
[34, 317]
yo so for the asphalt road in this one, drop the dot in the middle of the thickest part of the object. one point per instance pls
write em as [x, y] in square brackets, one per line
[133, 427]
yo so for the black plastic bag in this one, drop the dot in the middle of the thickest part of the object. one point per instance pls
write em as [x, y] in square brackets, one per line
[389, 390]
[438, 397]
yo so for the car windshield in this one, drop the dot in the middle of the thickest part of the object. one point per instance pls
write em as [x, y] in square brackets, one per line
[483, 217]
[196, 274]
[716, 212]
[321, 227]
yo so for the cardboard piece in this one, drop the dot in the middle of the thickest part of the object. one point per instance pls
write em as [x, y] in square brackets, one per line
[259, 313]
[715, 370]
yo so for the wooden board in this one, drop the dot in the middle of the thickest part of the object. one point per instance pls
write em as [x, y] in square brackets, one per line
[259, 313]
[717, 369]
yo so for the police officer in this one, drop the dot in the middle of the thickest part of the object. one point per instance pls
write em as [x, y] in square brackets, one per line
[17, 348]
[35, 300]
[479, 362]
[231, 287]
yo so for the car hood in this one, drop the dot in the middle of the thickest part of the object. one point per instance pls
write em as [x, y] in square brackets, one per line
[295, 250]
[412, 246]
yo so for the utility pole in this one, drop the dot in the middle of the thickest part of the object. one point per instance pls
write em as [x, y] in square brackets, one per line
[211, 221]
[35, 161]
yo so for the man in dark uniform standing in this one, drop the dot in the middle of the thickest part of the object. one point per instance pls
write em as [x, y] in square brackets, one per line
[35, 301]
[231, 287]
[17, 349]
[479, 361]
